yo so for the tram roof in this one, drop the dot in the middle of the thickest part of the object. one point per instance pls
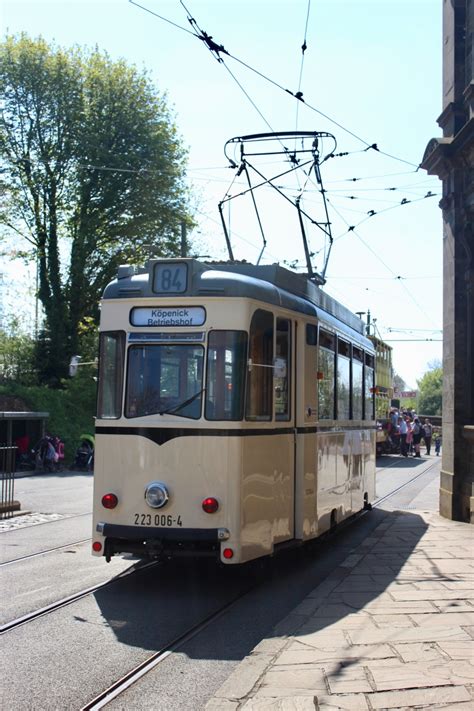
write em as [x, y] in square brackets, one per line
[270, 283]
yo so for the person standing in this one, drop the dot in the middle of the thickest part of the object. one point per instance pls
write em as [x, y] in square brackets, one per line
[409, 439]
[402, 426]
[427, 434]
[417, 434]
[437, 442]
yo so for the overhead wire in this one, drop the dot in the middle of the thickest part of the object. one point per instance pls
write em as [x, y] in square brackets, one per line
[218, 49]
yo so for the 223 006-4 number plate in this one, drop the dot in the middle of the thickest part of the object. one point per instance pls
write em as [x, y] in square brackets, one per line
[162, 520]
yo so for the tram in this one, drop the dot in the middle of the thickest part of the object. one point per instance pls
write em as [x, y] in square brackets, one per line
[235, 412]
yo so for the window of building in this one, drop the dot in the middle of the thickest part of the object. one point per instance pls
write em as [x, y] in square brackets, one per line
[260, 376]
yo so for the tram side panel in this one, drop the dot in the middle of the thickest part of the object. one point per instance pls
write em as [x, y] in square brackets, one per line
[267, 493]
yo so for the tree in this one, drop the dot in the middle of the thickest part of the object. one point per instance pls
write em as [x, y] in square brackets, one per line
[93, 171]
[398, 382]
[430, 388]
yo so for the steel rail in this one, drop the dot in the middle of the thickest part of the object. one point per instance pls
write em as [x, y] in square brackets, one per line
[48, 550]
[128, 679]
[402, 486]
[65, 601]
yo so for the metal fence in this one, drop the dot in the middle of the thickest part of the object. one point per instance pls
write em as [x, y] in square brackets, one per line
[7, 473]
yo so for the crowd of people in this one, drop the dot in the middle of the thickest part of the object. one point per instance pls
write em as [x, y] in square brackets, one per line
[410, 431]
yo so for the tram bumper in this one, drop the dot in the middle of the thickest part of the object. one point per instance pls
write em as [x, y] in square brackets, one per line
[161, 542]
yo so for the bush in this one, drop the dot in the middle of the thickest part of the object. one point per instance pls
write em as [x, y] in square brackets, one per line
[71, 408]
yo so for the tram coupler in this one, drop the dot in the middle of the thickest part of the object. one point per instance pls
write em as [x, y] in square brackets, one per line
[154, 548]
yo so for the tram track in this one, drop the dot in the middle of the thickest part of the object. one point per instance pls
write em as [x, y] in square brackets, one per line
[65, 601]
[377, 503]
[48, 550]
[128, 679]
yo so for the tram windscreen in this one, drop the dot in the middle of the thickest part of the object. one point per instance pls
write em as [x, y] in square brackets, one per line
[161, 378]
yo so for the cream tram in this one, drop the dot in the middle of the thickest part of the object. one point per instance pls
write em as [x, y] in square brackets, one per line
[235, 412]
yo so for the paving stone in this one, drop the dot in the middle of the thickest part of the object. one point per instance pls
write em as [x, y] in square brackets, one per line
[348, 680]
[221, 705]
[297, 676]
[388, 675]
[417, 634]
[458, 619]
[283, 692]
[423, 651]
[392, 621]
[308, 607]
[300, 654]
[272, 645]
[426, 698]
[347, 702]
[400, 608]
[450, 606]
[410, 595]
[294, 703]
[458, 650]
[244, 677]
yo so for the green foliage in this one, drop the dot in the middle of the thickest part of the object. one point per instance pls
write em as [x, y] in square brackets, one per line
[71, 408]
[16, 355]
[430, 388]
[90, 155]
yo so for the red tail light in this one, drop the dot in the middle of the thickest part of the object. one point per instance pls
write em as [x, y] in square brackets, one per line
[109, 501]
[228, 553]
[97, 546]
[210, 505]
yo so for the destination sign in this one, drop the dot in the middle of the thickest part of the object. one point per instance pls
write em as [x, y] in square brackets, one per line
[168, 316]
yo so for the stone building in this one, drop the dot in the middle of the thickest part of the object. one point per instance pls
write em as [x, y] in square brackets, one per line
[451, 158]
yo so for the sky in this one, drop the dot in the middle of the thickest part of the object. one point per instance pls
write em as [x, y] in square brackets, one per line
[370, 74]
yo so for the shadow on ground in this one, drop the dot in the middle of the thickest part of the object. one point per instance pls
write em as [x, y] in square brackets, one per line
[156, 606]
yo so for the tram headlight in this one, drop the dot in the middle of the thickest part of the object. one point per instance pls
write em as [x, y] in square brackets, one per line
[156, 495]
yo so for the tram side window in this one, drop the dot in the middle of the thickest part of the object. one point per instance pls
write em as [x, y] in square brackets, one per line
[226, 359]
[326, 368]
[260, 377]
[283, 384]
[369, 387]
[357, 383]
[343, 384]
[112, 349]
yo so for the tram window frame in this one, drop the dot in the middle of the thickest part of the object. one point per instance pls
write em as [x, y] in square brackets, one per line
[343, 396]
[357, 396]
[115, 393]
[283, 384]
[236, 374]
[326, 347]
[259, 389]
[369, 394]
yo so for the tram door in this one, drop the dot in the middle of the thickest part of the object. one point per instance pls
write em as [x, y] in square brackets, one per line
[268, 491]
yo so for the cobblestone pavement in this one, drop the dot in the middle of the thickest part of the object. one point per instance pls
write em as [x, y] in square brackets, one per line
[29, 519]
[390, 628]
